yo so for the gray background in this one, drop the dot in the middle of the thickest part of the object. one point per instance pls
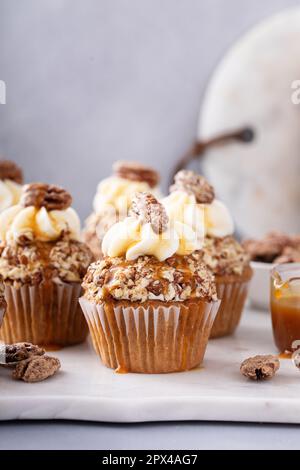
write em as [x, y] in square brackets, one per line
[91, 81]
[71, 435]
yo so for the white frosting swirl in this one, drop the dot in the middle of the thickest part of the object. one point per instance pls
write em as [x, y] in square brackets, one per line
[38, 224]
[131, 239]
[10, 193]
[206, 219]
[118, 193]
[218, 220]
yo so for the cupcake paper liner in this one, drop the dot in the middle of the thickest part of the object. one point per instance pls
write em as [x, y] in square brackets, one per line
[2, 312]
[233, 294]
[150, 338]
[47, 315]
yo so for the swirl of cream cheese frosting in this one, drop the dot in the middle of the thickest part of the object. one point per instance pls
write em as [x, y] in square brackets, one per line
[214, 218]
[131, 238]
[118, 193]
[38, 224]
[10, 194]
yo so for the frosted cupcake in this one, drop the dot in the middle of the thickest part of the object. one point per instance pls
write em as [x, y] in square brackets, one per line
[113, 199]
[191, 201]
[149, 303]
[42, 265]
[11, 179]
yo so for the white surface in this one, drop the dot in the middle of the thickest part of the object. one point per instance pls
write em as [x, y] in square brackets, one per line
[259, 292]
[252, 86]
[86, 390]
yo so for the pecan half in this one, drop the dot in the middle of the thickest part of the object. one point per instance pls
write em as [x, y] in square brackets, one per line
[45, 195]
[134, 171]
[147, 209]
[18, 352]
[268, 248]
[10, 171]
[191, 183]
[36, 369]
[260, 367]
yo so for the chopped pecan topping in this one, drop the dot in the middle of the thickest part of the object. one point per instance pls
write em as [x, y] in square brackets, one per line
[36, 369]
[18, 352]
[147, 208]
[179, 279]
[134, 171]
[45, 195]
[191, 183]
[33, 263]
[224, 256]
[10, 171]
[260, 367]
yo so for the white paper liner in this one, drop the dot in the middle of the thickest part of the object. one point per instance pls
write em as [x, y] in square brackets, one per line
[150, 338]
[44, 315]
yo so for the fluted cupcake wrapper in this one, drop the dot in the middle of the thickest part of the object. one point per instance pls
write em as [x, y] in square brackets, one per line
[233, 295]
[2, 312]
[150, 338]
[48, 315]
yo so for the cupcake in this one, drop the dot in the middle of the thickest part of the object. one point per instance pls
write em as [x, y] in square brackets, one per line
[192, 200]
[113, 199]
[149, 303]
[2, 309]
[42, 264]
[11, 179]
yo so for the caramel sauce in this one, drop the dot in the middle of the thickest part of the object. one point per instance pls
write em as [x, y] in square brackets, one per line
[286, 321]
[285, 355]
[121, 370]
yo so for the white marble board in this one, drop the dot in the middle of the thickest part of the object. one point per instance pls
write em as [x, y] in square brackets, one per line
[86, 390]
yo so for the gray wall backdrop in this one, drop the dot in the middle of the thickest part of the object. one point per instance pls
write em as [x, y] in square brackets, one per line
[91, 81]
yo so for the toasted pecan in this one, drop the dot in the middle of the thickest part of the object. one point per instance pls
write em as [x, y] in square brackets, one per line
[10, 171]
[260, 367]
[45, 195]
[135, 171]
[147, 208]
[36, 369]
[15, 353]
[191, 183]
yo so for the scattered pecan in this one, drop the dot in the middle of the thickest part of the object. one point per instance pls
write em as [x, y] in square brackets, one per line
[45, 195]
[134, 171]
[289, 255]
[260, 367]
[16, 353]
[36, 369]
[191, 183]
[147, 208]
[274, 247]
[10, 171]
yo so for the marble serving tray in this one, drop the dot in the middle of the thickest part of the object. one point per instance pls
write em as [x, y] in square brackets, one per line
[86, 390]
